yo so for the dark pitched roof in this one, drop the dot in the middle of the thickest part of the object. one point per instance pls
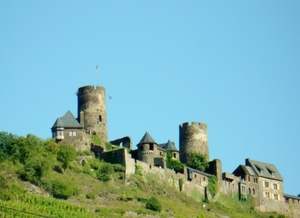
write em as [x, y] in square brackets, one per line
[243, 170]
[169, 146]
[198, 171]
[262, 169]
[67, 121]
[147, 139]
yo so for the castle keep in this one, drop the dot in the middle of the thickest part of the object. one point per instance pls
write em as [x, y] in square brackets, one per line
[261, 180]
[192, 138]
[91, 119]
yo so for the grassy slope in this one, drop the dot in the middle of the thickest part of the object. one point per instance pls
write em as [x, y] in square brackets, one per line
[115, 198]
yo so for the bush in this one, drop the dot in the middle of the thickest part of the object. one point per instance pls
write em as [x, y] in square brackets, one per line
[63, 189]
[104, 173]
[213, 185]
[6, 195]
[174, 164]
[90, 196]
[180, 181]
[153, 204]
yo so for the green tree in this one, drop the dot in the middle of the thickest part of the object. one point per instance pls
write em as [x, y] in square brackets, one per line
[173, 164]
[36, 167]
[66, 155]
[197, 161]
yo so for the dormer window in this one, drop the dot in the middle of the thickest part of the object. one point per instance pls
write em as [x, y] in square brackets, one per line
[272, 172]
[260, 170]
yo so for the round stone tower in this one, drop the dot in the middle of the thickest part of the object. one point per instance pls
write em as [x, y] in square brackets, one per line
[192, 138]
[92, 110]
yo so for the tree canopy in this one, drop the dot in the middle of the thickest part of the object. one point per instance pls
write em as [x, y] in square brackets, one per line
[197, 161]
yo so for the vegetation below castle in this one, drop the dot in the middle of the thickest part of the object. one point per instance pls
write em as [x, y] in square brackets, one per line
[39, 178]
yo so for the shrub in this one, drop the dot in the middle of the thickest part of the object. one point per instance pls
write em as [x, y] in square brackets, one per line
[174, 164]
[104, 173]
[35, 168]
[213, 185]
[138, 170]
[6, 195]
[180, 181]
[96, 139]
[63, 189]
[153, 204]
[90, 196]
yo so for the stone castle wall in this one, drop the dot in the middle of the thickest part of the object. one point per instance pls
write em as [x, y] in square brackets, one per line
[192, 138]
[81, 141]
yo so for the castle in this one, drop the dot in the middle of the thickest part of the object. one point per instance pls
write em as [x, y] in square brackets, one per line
[261, 180]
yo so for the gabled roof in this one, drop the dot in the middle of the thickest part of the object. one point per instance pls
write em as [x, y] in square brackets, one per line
[244, 170]
[169, 146]
[198, 171]
[262, 169]
[67, 121]
[147, 139]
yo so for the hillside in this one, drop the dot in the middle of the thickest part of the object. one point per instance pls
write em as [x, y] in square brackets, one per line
[39, 178]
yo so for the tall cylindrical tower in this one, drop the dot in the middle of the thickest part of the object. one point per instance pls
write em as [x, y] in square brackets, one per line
[192, 138]
[91, 101]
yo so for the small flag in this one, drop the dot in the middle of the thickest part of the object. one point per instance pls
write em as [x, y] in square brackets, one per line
[96, 69]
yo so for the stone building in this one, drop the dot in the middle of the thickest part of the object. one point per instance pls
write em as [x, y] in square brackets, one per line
[155, 154]
[91, 120]
[261, 180]
[67, 128]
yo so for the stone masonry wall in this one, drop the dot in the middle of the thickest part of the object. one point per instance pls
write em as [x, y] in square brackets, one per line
[192, 138]
[92, 102]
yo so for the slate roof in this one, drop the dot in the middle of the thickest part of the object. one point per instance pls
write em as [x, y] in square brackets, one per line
[147, 139]
[169, 146]
[262, 169]
[198, 171]
[67, 121]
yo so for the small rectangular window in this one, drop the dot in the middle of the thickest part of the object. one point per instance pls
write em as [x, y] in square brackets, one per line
[275, 187]
[267, 195]
[151, 147]
[266, 184]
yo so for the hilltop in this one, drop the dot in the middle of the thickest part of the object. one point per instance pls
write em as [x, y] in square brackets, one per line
[40, 178]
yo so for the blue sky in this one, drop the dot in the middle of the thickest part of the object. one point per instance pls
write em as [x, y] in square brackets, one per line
[233, 65]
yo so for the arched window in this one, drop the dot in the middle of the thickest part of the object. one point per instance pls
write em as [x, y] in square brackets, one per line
[253, 191]
[249, 191]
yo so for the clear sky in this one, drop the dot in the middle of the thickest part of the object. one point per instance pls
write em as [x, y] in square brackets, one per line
[234, 65]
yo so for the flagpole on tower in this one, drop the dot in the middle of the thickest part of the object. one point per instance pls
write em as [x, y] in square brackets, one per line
[96, 73]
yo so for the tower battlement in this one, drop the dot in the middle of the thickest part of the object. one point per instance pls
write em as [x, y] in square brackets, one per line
[188, 124]
[89, 89]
